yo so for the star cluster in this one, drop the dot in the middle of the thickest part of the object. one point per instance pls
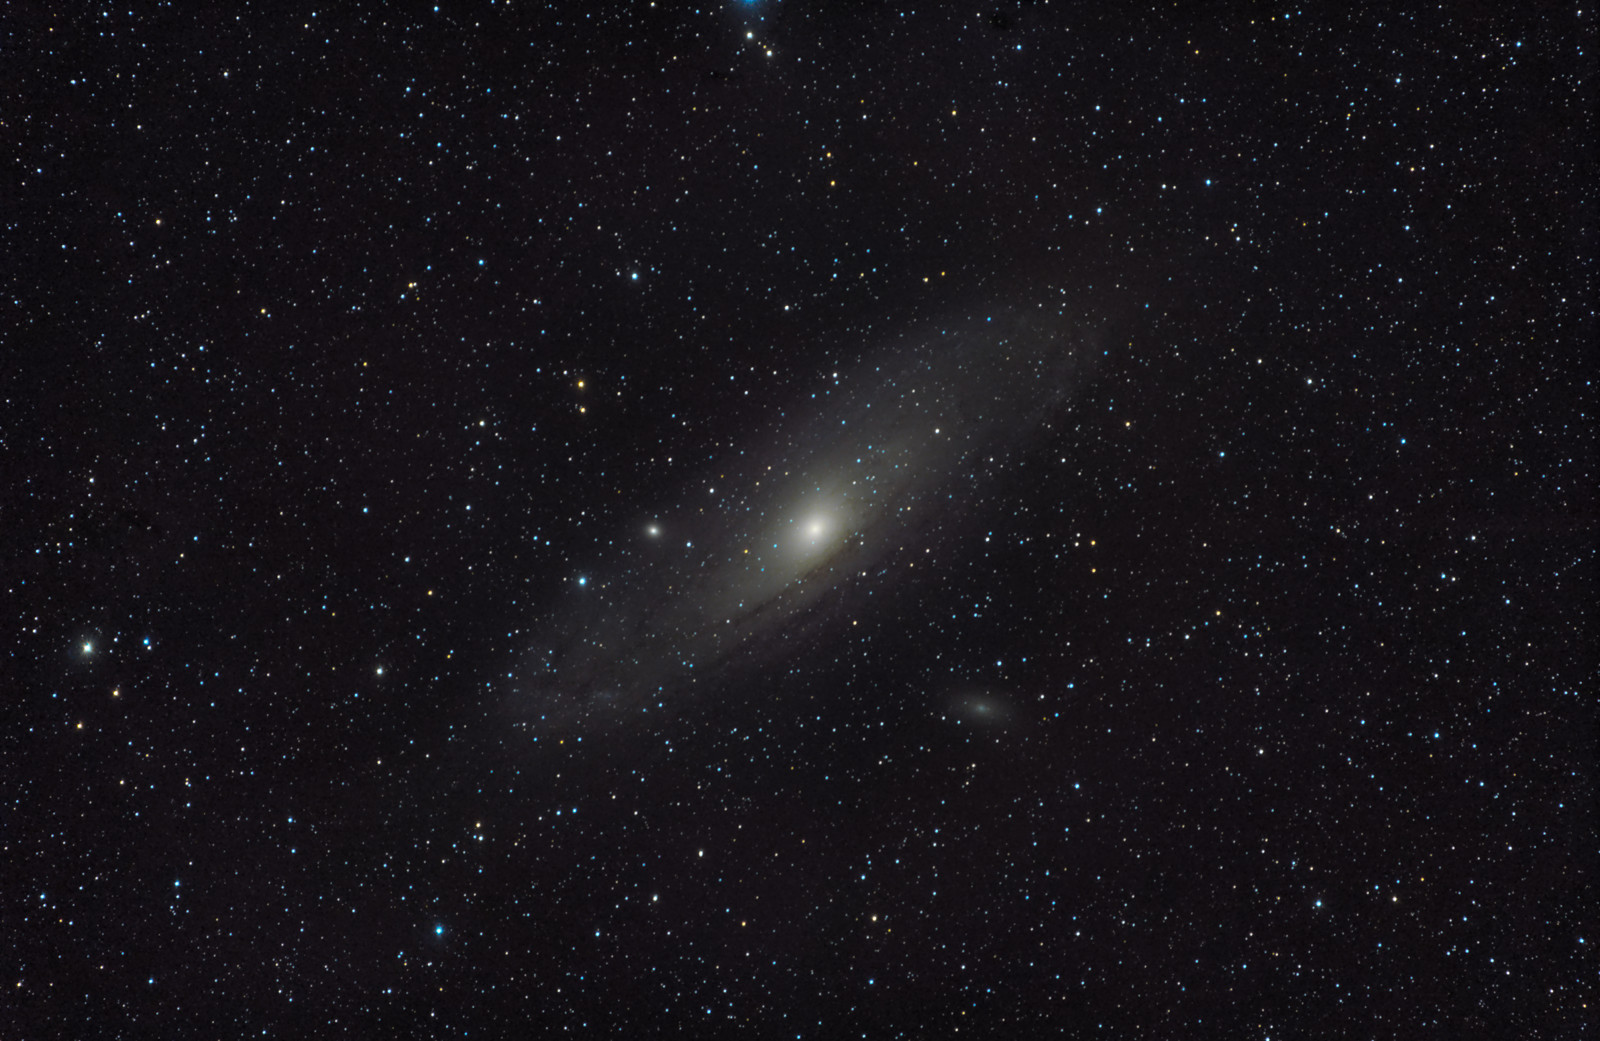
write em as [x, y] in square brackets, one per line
[798, 519]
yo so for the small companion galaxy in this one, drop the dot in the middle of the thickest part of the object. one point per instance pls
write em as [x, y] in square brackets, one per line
[798, 519]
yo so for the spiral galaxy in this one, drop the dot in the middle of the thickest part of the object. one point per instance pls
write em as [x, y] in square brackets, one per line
[906, 439]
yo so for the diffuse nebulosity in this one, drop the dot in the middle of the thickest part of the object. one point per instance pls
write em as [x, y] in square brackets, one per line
[735, 572]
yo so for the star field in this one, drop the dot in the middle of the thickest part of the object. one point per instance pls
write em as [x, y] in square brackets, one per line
[798, 519]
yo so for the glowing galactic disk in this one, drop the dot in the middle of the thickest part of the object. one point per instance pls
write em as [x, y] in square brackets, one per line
[858, 471]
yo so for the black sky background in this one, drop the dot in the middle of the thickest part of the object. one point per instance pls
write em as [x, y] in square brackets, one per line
[1249, 696]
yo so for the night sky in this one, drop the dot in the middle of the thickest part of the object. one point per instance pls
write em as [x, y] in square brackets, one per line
[797, 519]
